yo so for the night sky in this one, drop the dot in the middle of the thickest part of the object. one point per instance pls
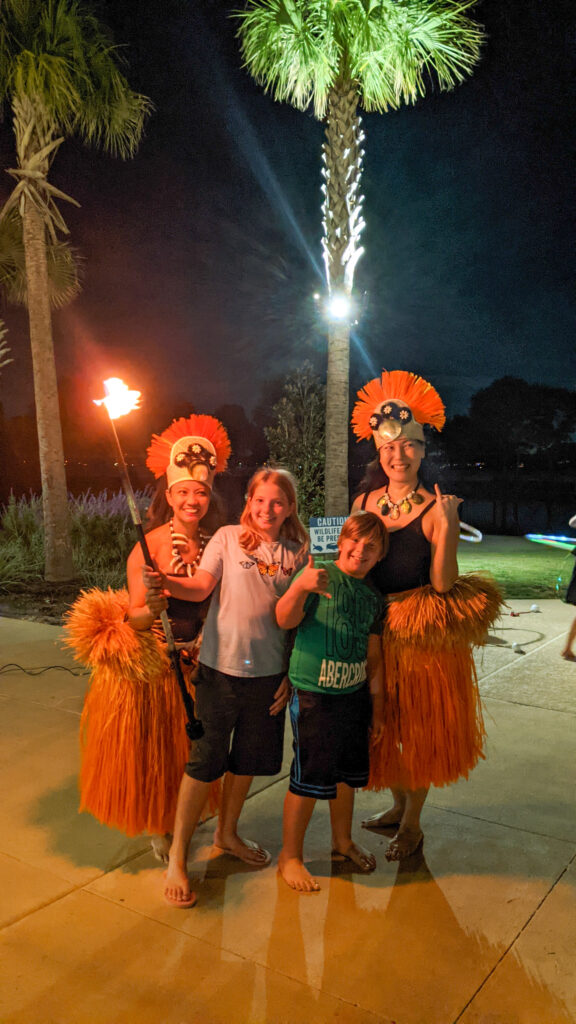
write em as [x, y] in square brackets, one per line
[202, 254]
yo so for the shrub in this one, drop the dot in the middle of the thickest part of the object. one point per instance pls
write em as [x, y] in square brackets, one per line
[102, 537]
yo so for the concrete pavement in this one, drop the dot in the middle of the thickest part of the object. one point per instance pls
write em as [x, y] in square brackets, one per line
[481, 929]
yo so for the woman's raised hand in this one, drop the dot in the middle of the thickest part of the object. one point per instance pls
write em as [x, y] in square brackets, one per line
[315, 581]
[447, 507]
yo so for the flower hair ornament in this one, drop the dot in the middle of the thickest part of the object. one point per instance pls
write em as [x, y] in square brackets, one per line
[192, 448]
[394, 405]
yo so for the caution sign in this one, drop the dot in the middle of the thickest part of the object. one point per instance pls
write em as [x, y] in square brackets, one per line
[324, 533]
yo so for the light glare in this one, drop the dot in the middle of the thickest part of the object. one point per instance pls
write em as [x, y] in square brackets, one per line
[339, 307]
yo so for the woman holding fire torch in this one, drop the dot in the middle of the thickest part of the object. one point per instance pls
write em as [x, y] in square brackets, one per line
[133, 727]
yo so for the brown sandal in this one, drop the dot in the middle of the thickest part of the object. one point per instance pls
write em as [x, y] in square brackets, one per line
[376, 824]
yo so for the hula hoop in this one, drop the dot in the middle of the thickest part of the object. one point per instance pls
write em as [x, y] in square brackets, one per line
[470, 533]
[564, 543]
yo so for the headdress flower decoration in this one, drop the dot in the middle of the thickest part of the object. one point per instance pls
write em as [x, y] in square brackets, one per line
[396, 404]
[191, 448]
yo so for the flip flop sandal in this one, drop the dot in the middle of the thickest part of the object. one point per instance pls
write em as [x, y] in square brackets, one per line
[181, 904]
[342, 858]
[245, 858]
[375, 826]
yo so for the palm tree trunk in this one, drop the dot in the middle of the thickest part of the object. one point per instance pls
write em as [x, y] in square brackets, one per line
[342, 169]
[59, 565]
[337, 403]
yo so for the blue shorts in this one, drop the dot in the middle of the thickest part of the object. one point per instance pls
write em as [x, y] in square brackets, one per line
[330, 741]
[240, 734]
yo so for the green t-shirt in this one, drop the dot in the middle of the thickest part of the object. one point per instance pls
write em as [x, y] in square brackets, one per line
[329, 654]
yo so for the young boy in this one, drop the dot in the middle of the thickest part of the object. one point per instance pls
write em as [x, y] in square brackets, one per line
[336, 613]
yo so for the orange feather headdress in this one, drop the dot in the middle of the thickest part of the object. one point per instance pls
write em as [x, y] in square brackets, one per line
[396, 404]
[192, 448]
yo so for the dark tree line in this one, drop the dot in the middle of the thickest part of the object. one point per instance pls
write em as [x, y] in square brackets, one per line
[516, 449]
[88, 445]
[512, 457]
[286, 427]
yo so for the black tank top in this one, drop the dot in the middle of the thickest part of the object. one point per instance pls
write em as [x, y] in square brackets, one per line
[407, 564]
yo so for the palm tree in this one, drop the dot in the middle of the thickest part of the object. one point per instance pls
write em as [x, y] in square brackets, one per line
[337, 55]
[61, 76]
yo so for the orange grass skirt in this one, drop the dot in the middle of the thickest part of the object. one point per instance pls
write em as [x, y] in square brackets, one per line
[434, 730]
[133, 727]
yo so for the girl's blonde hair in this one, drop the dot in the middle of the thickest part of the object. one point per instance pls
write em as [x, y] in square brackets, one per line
[292, 527]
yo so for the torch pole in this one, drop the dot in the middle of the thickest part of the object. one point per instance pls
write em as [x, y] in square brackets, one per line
[194, 727]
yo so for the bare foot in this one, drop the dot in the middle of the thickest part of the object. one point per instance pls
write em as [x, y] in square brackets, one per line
[177, 890]
[296, 875]
[406, 842]
[359, 856]
[568, 656]
[245, 850]
[388, 819]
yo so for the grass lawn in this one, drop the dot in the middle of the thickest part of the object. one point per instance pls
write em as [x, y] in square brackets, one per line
[522, 568]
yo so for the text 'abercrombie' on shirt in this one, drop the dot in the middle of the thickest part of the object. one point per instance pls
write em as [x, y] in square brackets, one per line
[339, 675]
[329, 654]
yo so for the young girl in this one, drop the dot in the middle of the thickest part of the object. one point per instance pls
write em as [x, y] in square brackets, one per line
[241, 687]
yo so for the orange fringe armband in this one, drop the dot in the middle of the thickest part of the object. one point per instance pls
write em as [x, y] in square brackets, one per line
[133, 727]
[434, 730]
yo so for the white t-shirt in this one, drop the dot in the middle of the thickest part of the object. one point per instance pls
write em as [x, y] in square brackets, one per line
[241, 636]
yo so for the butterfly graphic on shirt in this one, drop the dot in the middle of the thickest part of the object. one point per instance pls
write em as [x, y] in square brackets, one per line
[264, 568]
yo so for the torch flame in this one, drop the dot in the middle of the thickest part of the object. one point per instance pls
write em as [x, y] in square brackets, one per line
[119, 399]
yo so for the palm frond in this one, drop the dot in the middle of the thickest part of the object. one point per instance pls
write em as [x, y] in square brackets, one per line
[120, 131]
[290, 49]
[65, 272]
[49, 78]
[57, 53]
[12, 263]
[64, 266]
[391, 49]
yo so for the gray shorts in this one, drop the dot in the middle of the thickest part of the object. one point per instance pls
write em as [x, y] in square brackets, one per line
[240, 734]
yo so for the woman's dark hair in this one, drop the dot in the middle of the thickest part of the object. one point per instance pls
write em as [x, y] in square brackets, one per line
[159, 511]
[373, 478]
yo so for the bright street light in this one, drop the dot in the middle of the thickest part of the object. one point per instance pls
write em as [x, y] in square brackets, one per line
[339, 307]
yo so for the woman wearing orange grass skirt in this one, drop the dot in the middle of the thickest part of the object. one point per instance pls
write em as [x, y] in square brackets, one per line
[133, 729]
[434, 731]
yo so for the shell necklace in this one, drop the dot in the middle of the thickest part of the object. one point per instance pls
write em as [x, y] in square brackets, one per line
[395, 508]
[179, 541]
